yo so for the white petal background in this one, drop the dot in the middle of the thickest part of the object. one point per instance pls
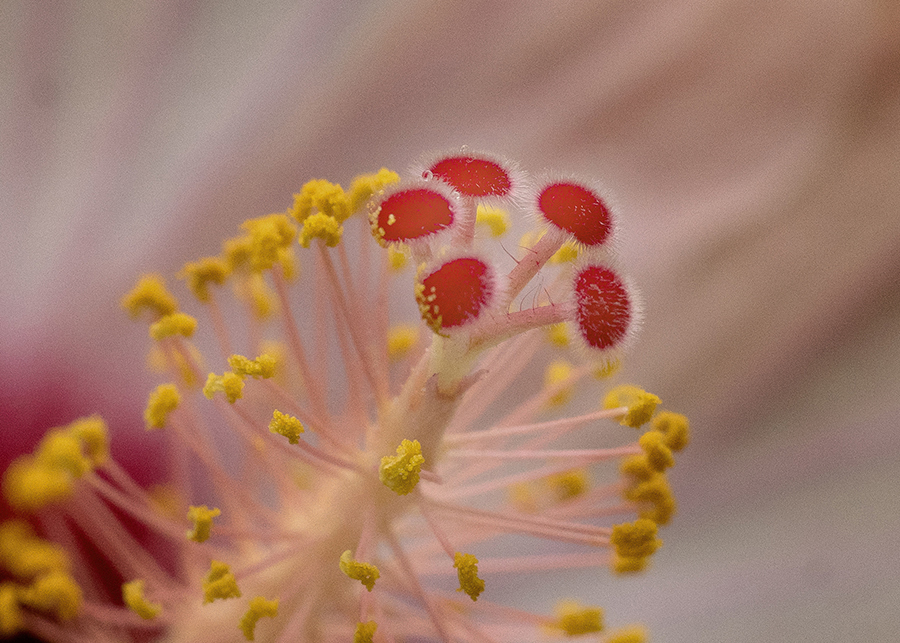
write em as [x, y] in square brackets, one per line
[754, 148]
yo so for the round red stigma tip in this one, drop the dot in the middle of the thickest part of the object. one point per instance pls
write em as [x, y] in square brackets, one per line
[473, 176]
[412, 214]
[604, 307]
[576, 210]
[455, 293]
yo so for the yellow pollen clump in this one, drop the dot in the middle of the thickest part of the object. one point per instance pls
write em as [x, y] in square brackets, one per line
[219, 583]
[228, 383]
[94, 436]
[635, 539]
[269, 237]
[637, 467]
[286, 425]
[656, 494]
[365, 632]
[11, 620]
[401, 339]
[640, 403]
[174, 324]
[323, 196]
[202, 273]
[321, 226]
[400, 472]
[365, 185]
[675, 427]
[575, 619]
[61, 450]
[632, 634]
[202, 518]
[29, 485]
[398, 256]
[467, 572]
[569, 484]
[133, 595]
[261, 367]
[25, 555]
[495, 219]
[259, 607]
[56, 593]
[555, 378]
[365, 573]
[566, 253]
[162, 401]
[558, 334]
[659, 455]
[149, 294]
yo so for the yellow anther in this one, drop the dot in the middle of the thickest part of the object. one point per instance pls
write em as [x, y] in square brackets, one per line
[365, 185]
[61, 450]
[675, 427]
[253, 289]
[400, 472]
[237, 252]
[467, 571]
[631, 634]
[322, 197]
[659, 455]
[365, 632]
[94, 436]
[174, 324]
[202, 273]
[219, 583]
[635, 539]
[555, 377]
[558, 334]
[228, 383]
[268, 235]
[261, 367]
[575, 619]
[166, 500]
[656, 495]
[11, 621]
[628, 564]
[522, 497]
[495, 219]
[54, 593]
[286, 425]
[637, 467]
[569, 484]
[401, 340]
[321, 226]
[25, 555]
[259, 607]
[567, 252]
[149, 294]
[29, 485]
[398, 256]
[606, 369]
[162, 401]
[365, 573]
[288, 262]
[202, 518]
[133, 595]
[640, 403]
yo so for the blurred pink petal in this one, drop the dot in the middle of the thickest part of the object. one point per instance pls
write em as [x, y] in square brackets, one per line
[753, 147]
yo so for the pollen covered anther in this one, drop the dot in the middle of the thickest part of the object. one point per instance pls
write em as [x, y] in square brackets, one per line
[455, 293]
[259, 607]
[365, 573]
[400, 473]
[413, 213]
[467, 572]
[219, 583]
[575, 619]
[133, 596]
[604, 308]
[577, 210]
[202, 517]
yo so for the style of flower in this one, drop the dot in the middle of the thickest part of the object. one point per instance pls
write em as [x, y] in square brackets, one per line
[320, 499]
